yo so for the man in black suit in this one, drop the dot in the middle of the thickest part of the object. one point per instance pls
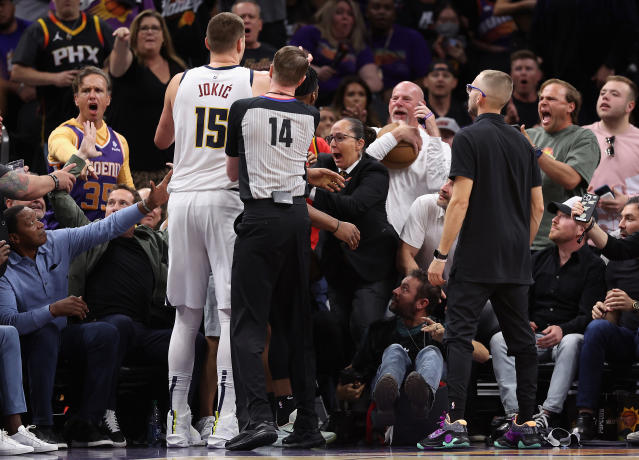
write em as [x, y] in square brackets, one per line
[360, 281]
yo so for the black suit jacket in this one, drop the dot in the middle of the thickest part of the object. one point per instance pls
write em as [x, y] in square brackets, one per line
[363, 203]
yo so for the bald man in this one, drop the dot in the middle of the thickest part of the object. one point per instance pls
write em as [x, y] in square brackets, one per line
[496, 207]
[430, 170]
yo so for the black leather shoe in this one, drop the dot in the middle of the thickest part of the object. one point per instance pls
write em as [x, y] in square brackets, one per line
[263, 434]
[304, 439]
[585, 426]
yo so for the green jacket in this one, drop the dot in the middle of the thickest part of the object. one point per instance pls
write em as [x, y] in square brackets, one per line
[154, 243]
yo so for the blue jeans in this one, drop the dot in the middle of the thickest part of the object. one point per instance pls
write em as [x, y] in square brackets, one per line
[11, 392]
[603, 341]
[429, 363]
[92, 346]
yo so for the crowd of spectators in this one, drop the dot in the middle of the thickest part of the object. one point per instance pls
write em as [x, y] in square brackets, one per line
[78, 84]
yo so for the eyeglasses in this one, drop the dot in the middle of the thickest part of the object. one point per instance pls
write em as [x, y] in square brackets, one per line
[470, 88]
[611, 146]
[339, 138]
[150, 28]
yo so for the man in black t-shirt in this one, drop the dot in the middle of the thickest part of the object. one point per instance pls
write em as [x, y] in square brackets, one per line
[526, 74]
[257, 55]
[495, 208]
[440, 83]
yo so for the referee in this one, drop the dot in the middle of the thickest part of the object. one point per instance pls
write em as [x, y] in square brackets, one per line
[268, 139]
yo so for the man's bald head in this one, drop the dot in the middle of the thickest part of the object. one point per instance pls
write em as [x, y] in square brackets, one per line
[406, 96]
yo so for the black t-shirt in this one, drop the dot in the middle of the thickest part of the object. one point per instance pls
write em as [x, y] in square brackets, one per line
[122, 282]
[624, 275]
[494, 241]
[136, 106]
[259, 58]
[528, 113]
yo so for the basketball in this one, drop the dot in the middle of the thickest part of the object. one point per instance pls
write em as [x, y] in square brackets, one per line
[402, 156]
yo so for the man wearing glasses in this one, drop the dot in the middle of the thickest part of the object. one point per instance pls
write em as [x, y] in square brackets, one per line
[567, 154]
[497, 179]
[619, 144]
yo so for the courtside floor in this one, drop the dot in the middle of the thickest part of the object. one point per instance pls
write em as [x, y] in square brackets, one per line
[477, 452]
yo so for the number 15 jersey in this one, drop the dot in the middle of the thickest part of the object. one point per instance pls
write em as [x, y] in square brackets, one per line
[200, 115]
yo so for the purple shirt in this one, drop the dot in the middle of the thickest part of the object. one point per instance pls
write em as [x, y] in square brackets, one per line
[114, 13]
[8, 43]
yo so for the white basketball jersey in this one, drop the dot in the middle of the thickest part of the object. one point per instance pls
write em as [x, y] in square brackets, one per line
[200, 115]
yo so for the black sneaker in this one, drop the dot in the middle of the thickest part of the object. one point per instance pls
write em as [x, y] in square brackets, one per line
[524, 436]
[448, 436]
[385, 394]
[49, 435]
[284, 406]
[83, 433]
[304, 439]
[109, 425]
[419, 394]
[585, 426]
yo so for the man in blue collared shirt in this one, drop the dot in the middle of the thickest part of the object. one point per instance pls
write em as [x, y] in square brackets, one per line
[33, 298]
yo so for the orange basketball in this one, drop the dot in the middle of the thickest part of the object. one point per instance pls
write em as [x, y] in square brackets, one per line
[402, 155]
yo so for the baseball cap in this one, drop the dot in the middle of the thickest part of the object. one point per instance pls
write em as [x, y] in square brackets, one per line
[565, 207]
[447, 123]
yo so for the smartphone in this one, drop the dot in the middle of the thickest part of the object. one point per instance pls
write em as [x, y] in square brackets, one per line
[605, 192]
[589, 202]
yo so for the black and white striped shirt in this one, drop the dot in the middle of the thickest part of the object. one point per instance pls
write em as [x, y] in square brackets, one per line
[271, 137]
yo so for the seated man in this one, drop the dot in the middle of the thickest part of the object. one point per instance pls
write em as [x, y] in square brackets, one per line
[568, 280]
[135, 263]
[41, 259]
[612, 335]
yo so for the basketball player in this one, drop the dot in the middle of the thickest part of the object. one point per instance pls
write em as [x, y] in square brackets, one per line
[203, 205]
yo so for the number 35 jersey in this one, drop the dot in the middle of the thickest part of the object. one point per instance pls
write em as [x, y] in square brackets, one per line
[200, 116]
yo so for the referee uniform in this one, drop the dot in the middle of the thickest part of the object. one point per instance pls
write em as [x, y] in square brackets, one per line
[271, 257]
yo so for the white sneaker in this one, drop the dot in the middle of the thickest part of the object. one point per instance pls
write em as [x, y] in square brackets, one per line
[226, 428]
[25, 437]
[9, 446]
[633, 437]
[328, 436]
[180, 432]
[205, 426]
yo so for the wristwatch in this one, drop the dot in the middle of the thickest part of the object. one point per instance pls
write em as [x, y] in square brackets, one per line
[538, 151]
[635, 306]
[439, 255]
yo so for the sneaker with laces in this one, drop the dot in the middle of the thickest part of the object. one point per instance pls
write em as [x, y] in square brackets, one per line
[285, 430]
[225, 429]
[110, 426]
[9, 446]
[524, 436]
[205, 426]
[49, 435]
[26, 437]
[545, 420]
[447, 436]
[180, 432]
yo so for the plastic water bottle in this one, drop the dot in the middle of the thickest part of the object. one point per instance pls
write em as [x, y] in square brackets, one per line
[154, 433]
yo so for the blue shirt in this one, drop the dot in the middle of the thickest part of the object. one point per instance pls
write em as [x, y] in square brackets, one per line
[30, 286]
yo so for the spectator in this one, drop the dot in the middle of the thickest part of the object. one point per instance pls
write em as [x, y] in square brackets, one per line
[440, 82]
[141, 74]
[37, 204]
[430, 170]
[619, 145]
[566, 153]
[359, 280]
[585, 59]
[526, 75]
[450, 43]
[273, 14]
[50, 53]
[153, 218]
[328, 117]
[136, 261]
[257, 55]
[522, 13]
[419, 15]
[338, 46]
[40, 316]
[186, 21]
[401, 53]
[353, 99]
[92, 93]
[612, 335]
[116, 13]
[448, 127]
[568, 279]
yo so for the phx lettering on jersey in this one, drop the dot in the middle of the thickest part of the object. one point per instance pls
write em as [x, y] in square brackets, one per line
[76, 54]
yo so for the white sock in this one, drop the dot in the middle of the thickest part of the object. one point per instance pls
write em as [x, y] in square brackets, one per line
[225, 385]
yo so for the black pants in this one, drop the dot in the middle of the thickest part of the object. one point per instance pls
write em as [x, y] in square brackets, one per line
[510, 303]
[270, 270]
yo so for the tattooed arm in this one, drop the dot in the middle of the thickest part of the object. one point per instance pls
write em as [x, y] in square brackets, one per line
[28, 187]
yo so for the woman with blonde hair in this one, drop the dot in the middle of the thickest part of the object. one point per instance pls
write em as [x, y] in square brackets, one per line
[337, 43]
[142, 63]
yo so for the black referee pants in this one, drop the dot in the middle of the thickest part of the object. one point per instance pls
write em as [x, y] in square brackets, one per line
[510, 302]
[271, 270]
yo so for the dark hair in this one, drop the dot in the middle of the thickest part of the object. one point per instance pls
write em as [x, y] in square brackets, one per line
[309, 85]
[426, 290]
[631, 84]
[572, 95]
[223, 32]
[289, 65]
[11, 217]
[523, 54]
[338, 99]
[132, 191]
[360, 131]
[167, 51]
[85, 72]
[632, 200]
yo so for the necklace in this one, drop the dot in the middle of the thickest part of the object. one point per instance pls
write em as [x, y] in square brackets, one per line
[280, 93]
[411, 337]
